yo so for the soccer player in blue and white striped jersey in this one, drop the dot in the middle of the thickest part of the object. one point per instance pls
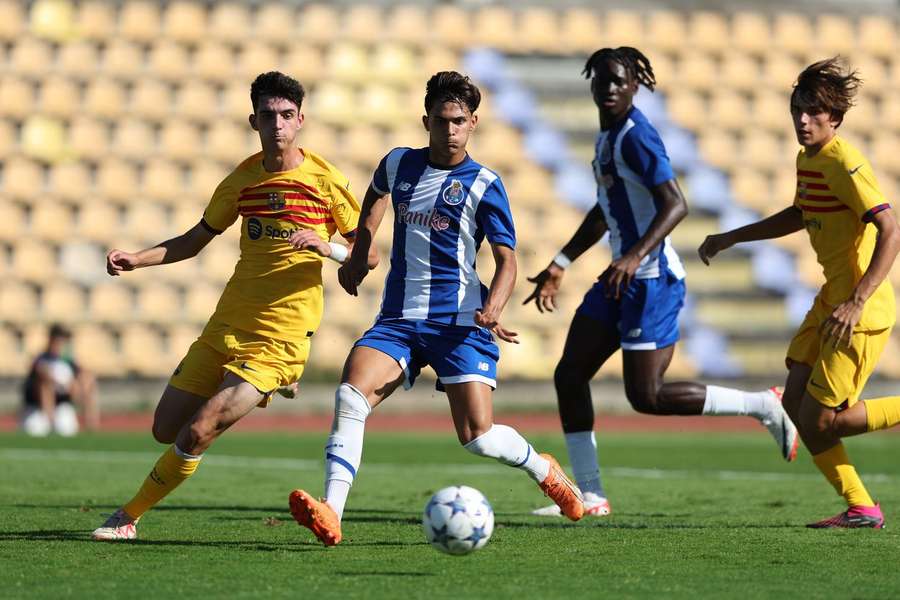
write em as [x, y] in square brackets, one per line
[635, 303]
[435, 309]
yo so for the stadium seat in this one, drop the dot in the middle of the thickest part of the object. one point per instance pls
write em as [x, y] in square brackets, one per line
[51, 220]
[144, 352]
[708, 31]
[347, 61]
[133, 139]
[200, 301]
[319, 23]
[884, 153]
[380, 104]
[499, 146]
[529, 185]
[751, 32]
[104, 99]
[88, 138]
[792, 33]
[277, 24]
[12, 20]
[696, 71]
[218, 259]
[148, 221]
[168, 61]
[394, 63]
[111, 302]
[620, 28]
[78, 60]
[666, 31]
[835, 34]
[31, 58]
[22, 179]
[862, 119]
[197, 102]
[12, 223]
[63, 301]
[17, 97]
[580, 30]
[494, 26]
[719, 149]
[158, 303]
[304, 63]
[214, 61]
[363, 23]
[15, 362]
[761, 150]
[752, 188]
[538, 30]
[180, 337]
[877, 36]
[226, 142]
[95, 347]
[116, 180]
[686, 107]
[329, 347]
[728, 109]
[151, 100]
[18, 302]
[185, 22]
[363, 144]
[163, 181]
[407, 24]
[139, 21]
[203, 178]
[451, 26]
[122, 59]
[44, 139]
[59, 98]
[235, 102]
[771, 110]
[332, 103]
[178, 140]
[740, 71]
[95, 20]
[98, 221]
[53, 20]
[228, 22]
[254, 58]
[33, 261]
[433, 60]
[9, 143]
[873, 72]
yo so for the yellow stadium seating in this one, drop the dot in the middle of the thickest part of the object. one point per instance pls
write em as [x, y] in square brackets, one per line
[697, 71]
[494, 26]
[15, 363]
[148, 221]
[133, 139]
[213, 61]
[158, 303]
[277, 23]
[200, 300]
[122, 60]
[17, 97]
[12, 20]
[30, 57]
[228, 22]
[12, 223]
[22, 178]
[877, 36]
[144, 351]
[162, 181]
[792, 32]
[43, 138]
[104, 99]
[78, 60]
[167, 60]
[833, 34]
[581, 30]
[203, 178]
[88, 138]
[62, 301]
[740, 71]
[18, 302]
[363, 23]
[95, 347]
[408, 24]
[185, 22]
[178, 140]
[139, 21]
[53, 19]
[95, 20]
[70, 181]
[451, 26]
[60, 97]
[33, 261]
[728, 109]
[117, 180]
[666, 31]
[98, 221]
[620, 28]
[303, 62]
[111, 302]
[51, 220]
[8, 139]
[709, 31]
[254, 58]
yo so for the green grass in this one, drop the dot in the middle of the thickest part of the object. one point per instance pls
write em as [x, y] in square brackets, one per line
[714, 515]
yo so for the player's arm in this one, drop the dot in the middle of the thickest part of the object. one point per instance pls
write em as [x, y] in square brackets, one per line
[785, 222]
[547, 282]
[187, 245]
[499, 292]
[45, 389]
[671, 209]
[847, 314]
[364, 255]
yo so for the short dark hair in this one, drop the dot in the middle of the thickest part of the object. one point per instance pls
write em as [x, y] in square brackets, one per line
[450, 86]
[275, 84]
[58, 330]
[636, 64]
[826, 86]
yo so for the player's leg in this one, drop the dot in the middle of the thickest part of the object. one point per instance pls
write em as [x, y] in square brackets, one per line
[589, 344]
[84, 393]
[174, 410]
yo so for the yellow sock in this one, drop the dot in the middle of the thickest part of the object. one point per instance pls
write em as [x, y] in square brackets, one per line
[882, 413]
[835, 466]
[173, 467]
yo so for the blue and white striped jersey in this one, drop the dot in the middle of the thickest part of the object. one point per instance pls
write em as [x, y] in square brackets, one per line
[441, 216]
[629, 159]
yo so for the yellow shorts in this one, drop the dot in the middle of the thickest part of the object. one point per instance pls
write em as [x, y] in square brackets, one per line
[263, 362]
[838, 374]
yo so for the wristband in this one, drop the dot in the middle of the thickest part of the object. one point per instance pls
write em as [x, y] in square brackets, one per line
[339, 252]
[562, 261]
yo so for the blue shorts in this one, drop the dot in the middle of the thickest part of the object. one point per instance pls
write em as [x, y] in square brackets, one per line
[646, 316]
[457, 354]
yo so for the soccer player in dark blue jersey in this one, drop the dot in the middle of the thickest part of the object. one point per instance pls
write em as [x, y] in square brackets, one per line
[635, 303]
[435, 310]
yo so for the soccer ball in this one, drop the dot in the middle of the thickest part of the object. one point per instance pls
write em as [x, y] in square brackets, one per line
[458, 520]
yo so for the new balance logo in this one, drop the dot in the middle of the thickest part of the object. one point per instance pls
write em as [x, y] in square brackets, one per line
[855, 169]
[634, 333]
[404, 186]
[483, 366]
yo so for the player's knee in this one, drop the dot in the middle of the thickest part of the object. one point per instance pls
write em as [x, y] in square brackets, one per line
[350, 403]
[482, 442]
[567, 375]
[203, 432]
[163, 434]
[644, 399]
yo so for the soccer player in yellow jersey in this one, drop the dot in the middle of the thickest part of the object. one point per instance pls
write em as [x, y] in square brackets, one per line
[856, 238]
[292, 201]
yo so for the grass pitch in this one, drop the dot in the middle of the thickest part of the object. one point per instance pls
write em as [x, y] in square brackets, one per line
[711, 515]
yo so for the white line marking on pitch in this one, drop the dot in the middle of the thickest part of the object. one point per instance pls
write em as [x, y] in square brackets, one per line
[301, 464]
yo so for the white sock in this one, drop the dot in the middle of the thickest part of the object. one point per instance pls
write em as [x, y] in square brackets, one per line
[582, 447]
[506, 445]
[343, 451]
[728, 401]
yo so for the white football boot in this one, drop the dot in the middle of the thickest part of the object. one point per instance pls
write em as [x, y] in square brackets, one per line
[781, 427]
[594, 506]
[119, 526]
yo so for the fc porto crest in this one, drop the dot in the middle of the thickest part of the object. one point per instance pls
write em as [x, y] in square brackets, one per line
[454, 193]
[276, 200]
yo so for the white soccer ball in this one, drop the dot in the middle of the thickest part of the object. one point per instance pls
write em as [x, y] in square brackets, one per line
[458, 520]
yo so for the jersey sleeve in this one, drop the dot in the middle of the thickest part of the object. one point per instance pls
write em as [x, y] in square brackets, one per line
[344, 207]
[645, 154]
[386, 172]
[857, 188]
[222, 210]
[494, 217]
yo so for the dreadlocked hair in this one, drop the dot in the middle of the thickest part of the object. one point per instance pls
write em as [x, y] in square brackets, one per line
[827, 86]
[634, 61]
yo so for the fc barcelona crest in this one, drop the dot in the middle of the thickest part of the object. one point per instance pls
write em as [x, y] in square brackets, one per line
[276, 201]
[455, 193]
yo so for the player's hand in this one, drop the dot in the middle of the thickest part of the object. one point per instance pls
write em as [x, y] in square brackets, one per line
[504, 334]
[844, 318]
[487, 317]
[546, 286]
[618, 275]
[712, 245]
[119, 260]
[307, 239]
[352, 273]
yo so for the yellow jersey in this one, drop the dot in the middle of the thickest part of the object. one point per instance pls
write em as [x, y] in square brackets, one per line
[276, 291]
[838, 194]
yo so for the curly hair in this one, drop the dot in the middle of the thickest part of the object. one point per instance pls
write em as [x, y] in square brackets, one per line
[826, 86]
[450, 86]
[276, 85]
[636, 64]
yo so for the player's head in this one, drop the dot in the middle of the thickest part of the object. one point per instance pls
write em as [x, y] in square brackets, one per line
[823, 93]
[57, 338]
[277, 100]
[615, 75]
[451, 100]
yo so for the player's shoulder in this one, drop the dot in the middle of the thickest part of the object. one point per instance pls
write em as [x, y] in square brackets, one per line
[637, 125]
[320, 166]
[845, 155]
[249, 167]
[398, 152]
